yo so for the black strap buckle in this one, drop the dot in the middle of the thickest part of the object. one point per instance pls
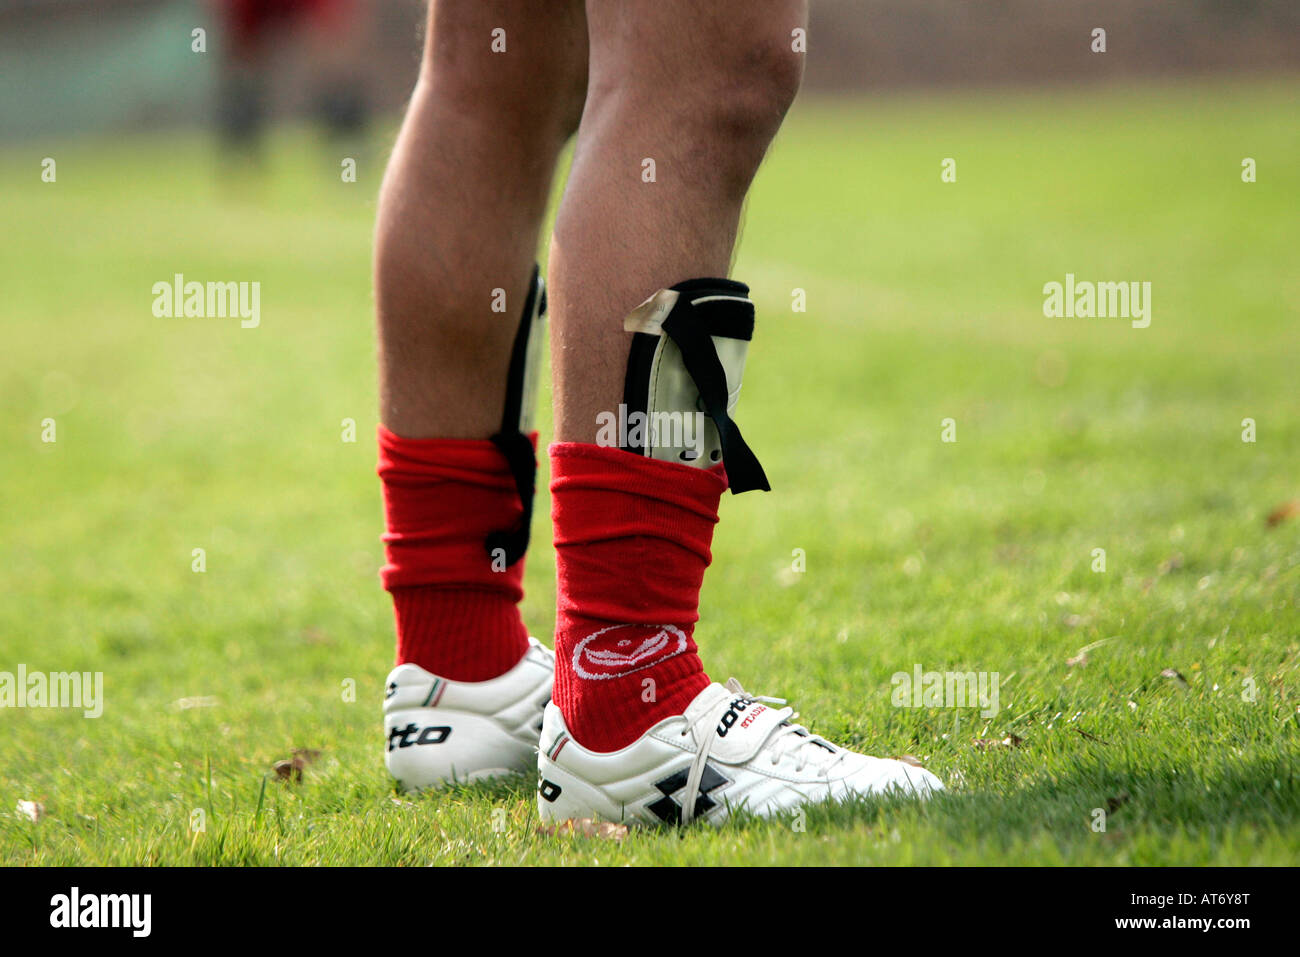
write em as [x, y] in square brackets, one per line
[692, 334]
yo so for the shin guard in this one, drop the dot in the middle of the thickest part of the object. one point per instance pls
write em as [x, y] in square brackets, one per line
[515, 439]
[683, 378]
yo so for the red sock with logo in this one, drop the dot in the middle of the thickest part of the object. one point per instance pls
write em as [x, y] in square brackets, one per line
[457, 615]
[632, 538]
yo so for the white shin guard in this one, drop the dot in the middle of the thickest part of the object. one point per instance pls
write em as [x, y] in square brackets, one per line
[683, 378]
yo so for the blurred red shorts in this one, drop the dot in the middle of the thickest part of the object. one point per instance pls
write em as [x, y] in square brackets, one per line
[250, 21]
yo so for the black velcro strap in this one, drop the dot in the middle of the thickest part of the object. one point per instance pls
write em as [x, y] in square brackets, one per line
[693, 337]
[519, 358]
[514, 445]
[518, 450]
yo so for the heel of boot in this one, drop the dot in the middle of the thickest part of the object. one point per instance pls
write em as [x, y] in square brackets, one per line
[561, 796]
[441, 747]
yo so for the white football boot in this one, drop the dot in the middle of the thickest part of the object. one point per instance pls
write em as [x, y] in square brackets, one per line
[728, 751]
[440, 731]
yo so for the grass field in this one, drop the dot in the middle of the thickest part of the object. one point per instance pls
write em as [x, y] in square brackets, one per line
[924, 302]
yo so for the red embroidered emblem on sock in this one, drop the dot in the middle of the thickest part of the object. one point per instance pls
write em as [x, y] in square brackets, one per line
[622, 649]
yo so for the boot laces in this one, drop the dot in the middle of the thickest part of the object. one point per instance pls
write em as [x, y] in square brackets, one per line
[787, 740]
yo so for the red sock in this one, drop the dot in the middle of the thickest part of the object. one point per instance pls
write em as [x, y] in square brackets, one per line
[632, 538]
[457, 615]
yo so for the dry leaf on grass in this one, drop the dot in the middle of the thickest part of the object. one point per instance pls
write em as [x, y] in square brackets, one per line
[586, 827]
[1171, 564]
[1091, 737]
[1284, 511]
[911, 759]
[1173, 675]
[291, 769]
[1113, 804]
[1010, 741]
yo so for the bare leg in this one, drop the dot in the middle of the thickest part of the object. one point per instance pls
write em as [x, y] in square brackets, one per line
[500, 91]
[700, 89]
[683, 99]
[462, 204]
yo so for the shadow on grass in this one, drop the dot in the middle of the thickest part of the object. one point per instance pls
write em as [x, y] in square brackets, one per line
[1262, 791]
